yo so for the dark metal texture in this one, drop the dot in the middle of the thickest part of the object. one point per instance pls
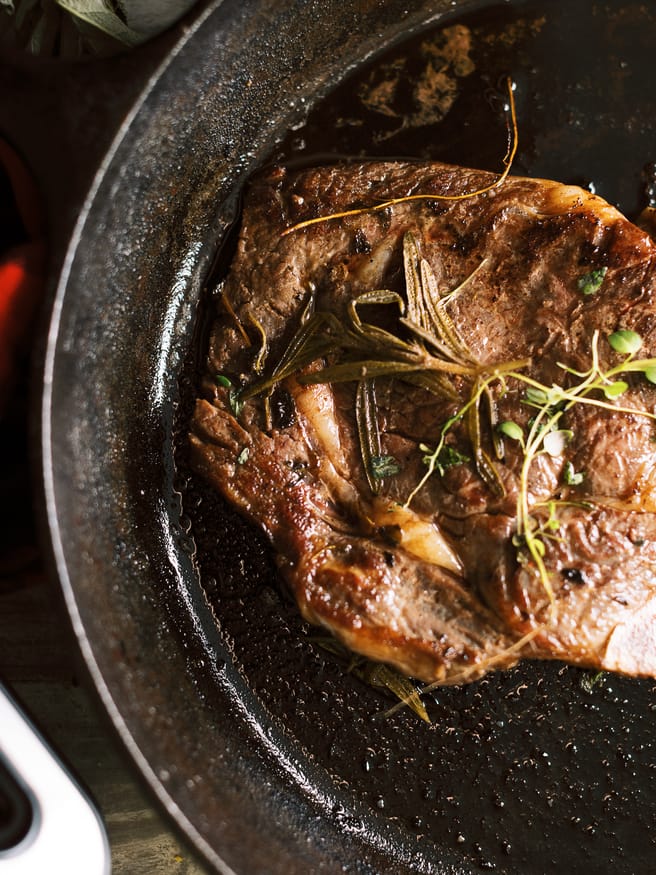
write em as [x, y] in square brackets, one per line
[267, 754]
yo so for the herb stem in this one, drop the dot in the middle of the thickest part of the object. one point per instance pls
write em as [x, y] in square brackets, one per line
[509, 157]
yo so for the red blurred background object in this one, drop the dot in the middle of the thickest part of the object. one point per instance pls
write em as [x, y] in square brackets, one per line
[22, 266]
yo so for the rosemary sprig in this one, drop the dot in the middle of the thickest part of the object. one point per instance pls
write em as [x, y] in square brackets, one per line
[433, 460]
[368, 431]
[376, 674]
[313, 339]
[427, 350]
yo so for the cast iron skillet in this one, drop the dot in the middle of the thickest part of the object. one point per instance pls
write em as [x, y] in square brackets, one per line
[270, 757]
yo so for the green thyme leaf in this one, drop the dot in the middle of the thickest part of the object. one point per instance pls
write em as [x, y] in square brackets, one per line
[650, 373]
[224, 381]
[243, 456]
[590, 680]
[447, 457]
[511, 429]
[572, 477]
[614, 390]
[625, 342]
[591, 282]
[384, 466]
[235, 401]
[537, 397]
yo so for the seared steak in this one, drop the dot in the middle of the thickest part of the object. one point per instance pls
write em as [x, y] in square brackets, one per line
[529, 280]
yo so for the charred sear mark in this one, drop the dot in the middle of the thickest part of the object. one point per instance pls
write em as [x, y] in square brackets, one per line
[283, 411]
[361, 246]
[573, 575]
[389, 559]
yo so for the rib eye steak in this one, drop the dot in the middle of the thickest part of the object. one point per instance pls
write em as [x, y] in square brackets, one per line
[436, 411]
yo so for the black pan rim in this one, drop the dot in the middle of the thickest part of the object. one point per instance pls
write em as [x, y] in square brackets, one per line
[57, 540]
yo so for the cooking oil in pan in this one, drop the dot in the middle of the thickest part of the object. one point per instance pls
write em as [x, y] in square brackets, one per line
[542, 768]
[584, 92]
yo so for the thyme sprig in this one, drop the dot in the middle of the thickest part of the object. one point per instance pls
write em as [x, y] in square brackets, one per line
[433, 459]
[545, 436]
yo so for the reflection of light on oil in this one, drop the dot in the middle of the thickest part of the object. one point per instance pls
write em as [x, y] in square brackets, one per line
[176, 315]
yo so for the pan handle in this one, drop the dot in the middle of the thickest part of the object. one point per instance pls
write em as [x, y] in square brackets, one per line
[51, 824]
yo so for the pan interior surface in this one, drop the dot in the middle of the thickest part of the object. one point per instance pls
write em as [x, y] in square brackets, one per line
[268, 752]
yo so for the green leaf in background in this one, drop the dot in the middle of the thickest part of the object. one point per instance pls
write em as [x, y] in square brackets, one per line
[71, 29]
[51, 29]
[102, 16]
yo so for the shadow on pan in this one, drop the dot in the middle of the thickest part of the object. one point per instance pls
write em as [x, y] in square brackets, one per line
[266, 753]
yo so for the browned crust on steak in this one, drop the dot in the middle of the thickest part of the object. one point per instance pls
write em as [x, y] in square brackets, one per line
[304, 485]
